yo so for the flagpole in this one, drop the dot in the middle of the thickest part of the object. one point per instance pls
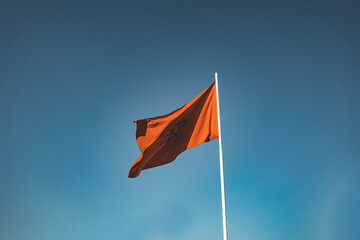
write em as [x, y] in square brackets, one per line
[221, 164]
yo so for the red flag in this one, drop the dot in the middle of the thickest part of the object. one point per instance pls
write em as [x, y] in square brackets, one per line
[161, 139]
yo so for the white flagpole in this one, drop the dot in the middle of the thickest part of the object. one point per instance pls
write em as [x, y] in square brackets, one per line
[221, 164]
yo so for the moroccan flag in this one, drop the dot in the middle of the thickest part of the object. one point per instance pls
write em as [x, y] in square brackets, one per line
[161, 139]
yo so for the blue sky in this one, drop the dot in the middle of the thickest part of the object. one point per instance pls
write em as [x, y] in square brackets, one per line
[75, 74]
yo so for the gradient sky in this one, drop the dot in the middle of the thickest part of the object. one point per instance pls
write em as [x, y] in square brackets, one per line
[75, 74]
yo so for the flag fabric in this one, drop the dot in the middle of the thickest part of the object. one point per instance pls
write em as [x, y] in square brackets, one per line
[161, 139]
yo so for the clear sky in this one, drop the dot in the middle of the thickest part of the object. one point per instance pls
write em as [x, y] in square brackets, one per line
[75, 74]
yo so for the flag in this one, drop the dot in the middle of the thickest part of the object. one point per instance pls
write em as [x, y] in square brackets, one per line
[161, 139]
